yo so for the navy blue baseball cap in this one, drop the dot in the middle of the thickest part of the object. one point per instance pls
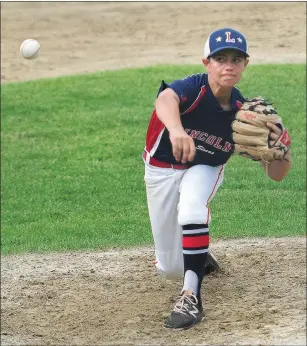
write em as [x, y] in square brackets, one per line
[226, 38]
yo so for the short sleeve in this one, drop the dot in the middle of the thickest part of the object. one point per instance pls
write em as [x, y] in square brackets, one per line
[187, 88]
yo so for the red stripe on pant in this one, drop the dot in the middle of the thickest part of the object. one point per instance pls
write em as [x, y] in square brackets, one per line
[195, 241]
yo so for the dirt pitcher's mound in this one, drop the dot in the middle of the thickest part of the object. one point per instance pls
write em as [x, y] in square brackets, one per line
[117, 297]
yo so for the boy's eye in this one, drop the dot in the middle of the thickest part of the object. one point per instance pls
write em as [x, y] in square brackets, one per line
[223, 59]
[220, 58]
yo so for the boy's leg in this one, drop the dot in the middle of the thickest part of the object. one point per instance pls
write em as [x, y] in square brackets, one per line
[198, 186]
[162, 190]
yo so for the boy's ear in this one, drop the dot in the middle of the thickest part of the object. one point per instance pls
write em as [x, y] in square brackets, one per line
[205, 61]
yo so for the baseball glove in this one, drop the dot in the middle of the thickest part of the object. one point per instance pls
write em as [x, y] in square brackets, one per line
[251, 135]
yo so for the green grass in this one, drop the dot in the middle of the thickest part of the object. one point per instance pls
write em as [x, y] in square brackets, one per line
[72, 174]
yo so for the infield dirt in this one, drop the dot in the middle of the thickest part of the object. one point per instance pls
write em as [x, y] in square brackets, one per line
[116, 297]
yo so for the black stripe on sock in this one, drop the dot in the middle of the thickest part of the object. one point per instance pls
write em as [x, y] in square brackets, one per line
[194, 226]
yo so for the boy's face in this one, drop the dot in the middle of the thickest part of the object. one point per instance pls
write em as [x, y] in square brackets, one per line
[225, 67]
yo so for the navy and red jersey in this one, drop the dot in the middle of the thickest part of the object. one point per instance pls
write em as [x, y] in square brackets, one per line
[202, 118]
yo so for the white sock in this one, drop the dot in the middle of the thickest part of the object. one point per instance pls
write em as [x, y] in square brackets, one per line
[190, 281]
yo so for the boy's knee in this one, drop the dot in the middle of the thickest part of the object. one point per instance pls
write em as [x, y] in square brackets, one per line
[193, 215]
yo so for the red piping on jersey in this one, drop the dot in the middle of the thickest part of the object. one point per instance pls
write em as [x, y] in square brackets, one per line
[154, 129]
[218, 178]
[239, 104]
[156, 126]
[196, 102]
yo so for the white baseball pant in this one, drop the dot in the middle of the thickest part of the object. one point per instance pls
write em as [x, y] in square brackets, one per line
[176, 198]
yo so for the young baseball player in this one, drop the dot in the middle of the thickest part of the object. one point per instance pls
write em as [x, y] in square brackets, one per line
[188, 143]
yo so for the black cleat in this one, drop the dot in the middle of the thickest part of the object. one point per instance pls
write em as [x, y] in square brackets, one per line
[211, 264]
[186, 313]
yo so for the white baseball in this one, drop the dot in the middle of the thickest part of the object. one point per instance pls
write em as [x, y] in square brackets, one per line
[29, 49]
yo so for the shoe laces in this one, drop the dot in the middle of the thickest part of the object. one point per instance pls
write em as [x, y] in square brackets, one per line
[183, 303]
